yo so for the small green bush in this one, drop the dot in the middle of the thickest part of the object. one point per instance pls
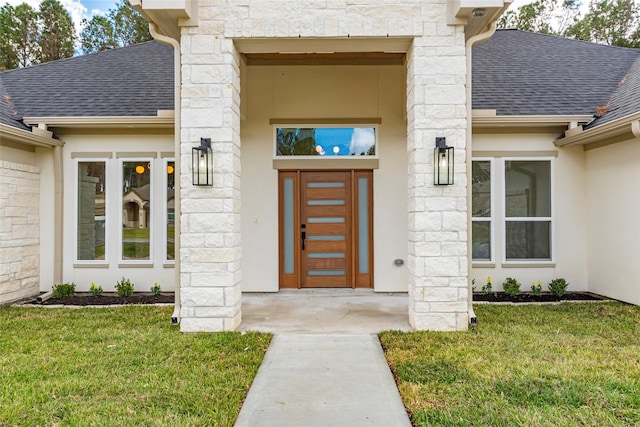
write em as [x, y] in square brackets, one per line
[536, 288]
[124, 288]
[558, 287]
[95, 290]
[64, 290]
[486, 288]
[511, 286]
[155, 289]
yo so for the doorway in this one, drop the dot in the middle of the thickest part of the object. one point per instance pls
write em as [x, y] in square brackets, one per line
[326, 229]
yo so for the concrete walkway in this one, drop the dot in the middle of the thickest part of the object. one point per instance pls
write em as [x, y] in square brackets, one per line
[323, 380]
[325, 365]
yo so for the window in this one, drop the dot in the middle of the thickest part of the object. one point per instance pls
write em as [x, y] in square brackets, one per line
[325, 141]
[170, 209]
[523, 219]
[136, 210]
[91, 212]
[481, 206]
[528, 210]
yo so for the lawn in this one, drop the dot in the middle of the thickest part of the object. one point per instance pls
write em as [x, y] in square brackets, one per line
[120, 367]
[566, 365]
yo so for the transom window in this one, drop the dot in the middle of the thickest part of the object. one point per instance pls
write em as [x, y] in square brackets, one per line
[325, 141]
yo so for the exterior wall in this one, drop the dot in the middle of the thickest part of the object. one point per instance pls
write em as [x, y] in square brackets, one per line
[569, 205]
[336, 92]
[210, 253]
[613, 215]
[116, 145]
[19, 227]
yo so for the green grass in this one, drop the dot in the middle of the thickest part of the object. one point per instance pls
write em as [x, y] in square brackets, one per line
[124, 366]
[566, 365]
[135, 233]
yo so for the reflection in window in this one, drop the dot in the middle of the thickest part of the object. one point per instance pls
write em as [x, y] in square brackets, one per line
[136, 209]
[321, 141]
[171, 212]
[481, 210]
[91, 211]
[528, 209]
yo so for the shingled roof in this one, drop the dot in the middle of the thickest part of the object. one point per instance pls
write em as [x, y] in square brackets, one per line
[132, 81]
[522, 73]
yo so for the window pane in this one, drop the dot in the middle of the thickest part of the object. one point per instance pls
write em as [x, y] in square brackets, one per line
[326, 142]
[363, 225]
[528, 239]
[136, 209]
[91, 211]
[481, 188]
[481, 240]
[171, 211]
[288, 225]
[528, 188]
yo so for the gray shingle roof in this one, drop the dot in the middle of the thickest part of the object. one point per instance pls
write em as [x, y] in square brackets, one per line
[8, 113]
[522, 73]
[132, 81]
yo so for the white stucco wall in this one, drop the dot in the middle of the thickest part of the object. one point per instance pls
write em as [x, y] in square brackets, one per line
[569, 206]
[320, 92]
[120, 146]
[613, 215]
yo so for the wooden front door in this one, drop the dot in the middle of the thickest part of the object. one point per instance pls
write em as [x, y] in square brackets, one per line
[325, 229]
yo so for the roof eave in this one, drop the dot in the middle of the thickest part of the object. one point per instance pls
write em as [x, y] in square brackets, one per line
[168, 15]
[21, 136]
[623, 129]
[104, 122]
[487, 119]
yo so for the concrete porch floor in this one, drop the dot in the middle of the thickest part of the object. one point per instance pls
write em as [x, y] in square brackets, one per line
[324, 311]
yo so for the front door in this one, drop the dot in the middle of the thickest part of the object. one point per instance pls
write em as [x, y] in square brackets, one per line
[325, 229]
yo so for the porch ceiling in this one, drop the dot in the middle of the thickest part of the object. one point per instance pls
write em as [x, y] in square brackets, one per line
[349, 45]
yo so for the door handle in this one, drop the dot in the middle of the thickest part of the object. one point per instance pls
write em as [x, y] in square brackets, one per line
[303, 234]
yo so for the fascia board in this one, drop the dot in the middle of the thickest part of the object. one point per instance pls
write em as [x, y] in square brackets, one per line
[619, 130]
[103, 121]
[482, 120]
[9, 133]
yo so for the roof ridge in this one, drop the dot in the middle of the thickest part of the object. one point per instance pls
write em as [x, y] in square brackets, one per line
[555, 36]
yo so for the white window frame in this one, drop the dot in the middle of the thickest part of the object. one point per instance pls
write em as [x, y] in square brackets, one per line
[166, 261]
[507, 262]
[490, 219]
[152, 207]
[275, 127]
[76, 164]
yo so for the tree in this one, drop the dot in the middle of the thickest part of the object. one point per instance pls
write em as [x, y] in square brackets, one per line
[26, 32]
[542, 16]
[8, 56]
[123, 26]
[612, 22]
[58, 32]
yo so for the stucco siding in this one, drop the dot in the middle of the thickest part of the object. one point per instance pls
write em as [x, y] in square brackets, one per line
[569, 236]
[613, 215]
[154, 147]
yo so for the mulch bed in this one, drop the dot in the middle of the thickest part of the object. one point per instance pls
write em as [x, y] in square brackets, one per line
[528, 297]
[84, 300]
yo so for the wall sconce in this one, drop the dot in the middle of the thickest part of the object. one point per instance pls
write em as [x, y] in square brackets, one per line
[442, 162]
[202, 162]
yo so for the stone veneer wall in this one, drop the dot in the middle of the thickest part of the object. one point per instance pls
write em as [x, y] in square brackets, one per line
[210, 234]
[19, 231]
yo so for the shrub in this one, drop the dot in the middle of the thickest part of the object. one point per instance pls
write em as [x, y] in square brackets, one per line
[155, 289]
[511, 286]
[95, 290]
[124, 288]
[536, 288]
[558, 287]
[64, 290]
[486, 288]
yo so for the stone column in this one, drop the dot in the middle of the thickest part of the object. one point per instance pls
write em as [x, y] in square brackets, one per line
[210, 217]
[437, 214]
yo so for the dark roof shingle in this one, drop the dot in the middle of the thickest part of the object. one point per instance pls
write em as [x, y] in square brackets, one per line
[522, 73]
[131, 81]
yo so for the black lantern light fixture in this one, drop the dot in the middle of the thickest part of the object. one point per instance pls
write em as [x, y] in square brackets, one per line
[442, 162]
[202, 162]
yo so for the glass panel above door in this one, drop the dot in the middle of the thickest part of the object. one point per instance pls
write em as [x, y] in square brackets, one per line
[326, 141]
